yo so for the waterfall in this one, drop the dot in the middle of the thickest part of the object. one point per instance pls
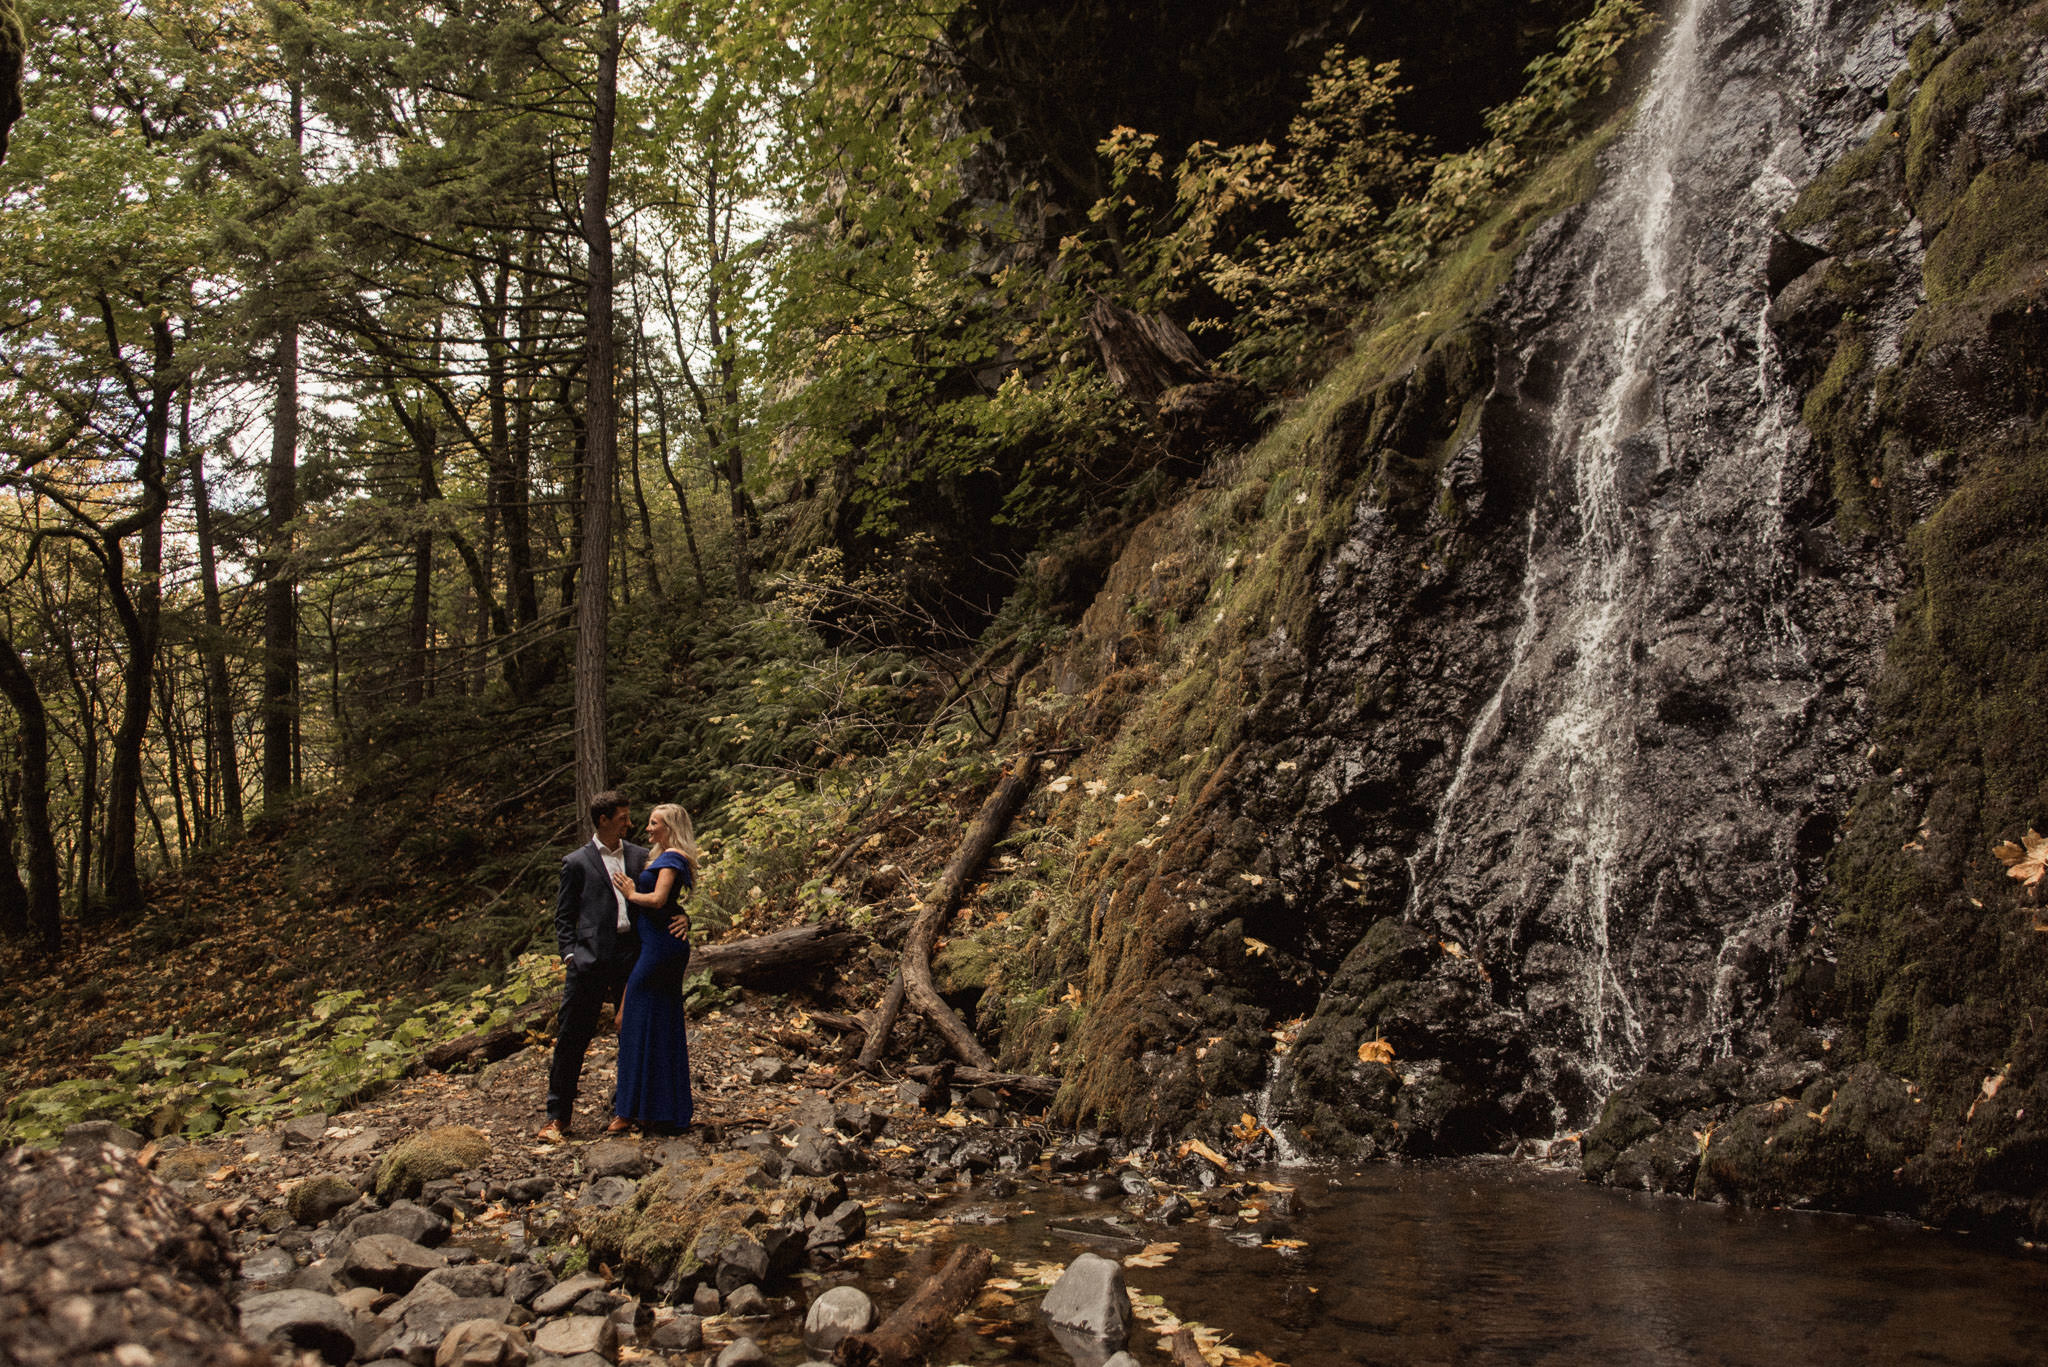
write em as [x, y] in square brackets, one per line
[1617, 828]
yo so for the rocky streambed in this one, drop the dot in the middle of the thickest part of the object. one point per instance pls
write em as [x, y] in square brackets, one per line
[431, 1228]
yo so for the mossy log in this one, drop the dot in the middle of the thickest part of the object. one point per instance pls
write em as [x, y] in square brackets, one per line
[919, 1324]
[757, 957]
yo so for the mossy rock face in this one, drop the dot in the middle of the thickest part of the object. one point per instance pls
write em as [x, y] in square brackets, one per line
[429, 1157]
[1842, 1145]
[1406, 1052]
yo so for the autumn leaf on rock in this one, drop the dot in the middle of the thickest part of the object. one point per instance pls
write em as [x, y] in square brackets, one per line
[1376, 1051]
[2026, 862]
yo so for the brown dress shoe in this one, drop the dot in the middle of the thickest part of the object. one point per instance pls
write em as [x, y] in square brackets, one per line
[619, 1125]
[554, 1132]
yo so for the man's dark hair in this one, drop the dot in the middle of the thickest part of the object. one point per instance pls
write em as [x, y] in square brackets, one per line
[605, 803]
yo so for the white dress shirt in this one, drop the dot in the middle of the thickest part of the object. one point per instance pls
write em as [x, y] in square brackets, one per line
[615, 862]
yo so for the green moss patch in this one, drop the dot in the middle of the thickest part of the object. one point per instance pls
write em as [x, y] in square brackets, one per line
[429, 1157]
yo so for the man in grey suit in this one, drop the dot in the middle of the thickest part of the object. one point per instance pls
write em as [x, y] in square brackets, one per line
[598, 945]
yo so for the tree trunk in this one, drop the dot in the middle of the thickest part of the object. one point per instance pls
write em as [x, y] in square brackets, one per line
[726, 431]
[220, 702]
[14, 919]
[593, 603]
[40, 846]
[640, 493]
[280, 589]
[141, 622]
[425, 441]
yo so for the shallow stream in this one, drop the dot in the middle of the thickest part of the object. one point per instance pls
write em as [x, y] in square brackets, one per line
[1491, 1261]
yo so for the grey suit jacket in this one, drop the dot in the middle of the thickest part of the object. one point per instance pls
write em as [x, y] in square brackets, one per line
[587, 908]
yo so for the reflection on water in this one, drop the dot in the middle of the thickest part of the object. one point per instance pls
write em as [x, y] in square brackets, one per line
[1499, 1262]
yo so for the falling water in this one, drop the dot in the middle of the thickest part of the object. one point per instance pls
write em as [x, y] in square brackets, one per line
[1615, 830]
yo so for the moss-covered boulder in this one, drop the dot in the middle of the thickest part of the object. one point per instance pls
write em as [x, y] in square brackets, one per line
[691, 1219]
[429, 1157]
[318, 1198]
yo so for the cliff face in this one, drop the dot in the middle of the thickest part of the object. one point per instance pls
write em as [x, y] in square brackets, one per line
[1597, 703]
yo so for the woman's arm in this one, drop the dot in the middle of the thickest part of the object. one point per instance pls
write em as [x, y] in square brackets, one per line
[664, 879]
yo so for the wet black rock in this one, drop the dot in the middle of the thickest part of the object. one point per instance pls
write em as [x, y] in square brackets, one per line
[1100, 1189]
[860, 1121]
[1079, 1155]
[1173, 1209]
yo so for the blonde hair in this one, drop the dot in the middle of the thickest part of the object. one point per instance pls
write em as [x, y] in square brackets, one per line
[675, 822]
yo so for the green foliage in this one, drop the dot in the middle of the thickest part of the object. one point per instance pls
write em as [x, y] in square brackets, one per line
[1300, 240]
[200, 1082]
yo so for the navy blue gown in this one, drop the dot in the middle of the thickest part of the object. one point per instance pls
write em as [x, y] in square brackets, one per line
[654, 1057]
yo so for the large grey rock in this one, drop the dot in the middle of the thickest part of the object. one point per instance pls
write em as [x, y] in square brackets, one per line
[838, 1312]
[683, 1334]
[764, 1072]
[88, 1135]
[606, 1193]
[847, 1223]
[483, 1343]
[1090, 1296]
[576, 1335]
[403, 1218]
[524, 1282]
[564, 1294]
[291, 1322]
[416, 1330]
[389, 1262]
[363, 1144]
[748, 1302]
[741, 1353]
[302, 1130]
[469, 1280]
[614, 1158]
[817, 1156]
[269, 1267]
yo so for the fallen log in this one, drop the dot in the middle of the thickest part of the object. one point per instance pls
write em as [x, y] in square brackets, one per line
[920, 1324]
[1031, 1084]
[939, 902]
[877, 1042]
[759, 956]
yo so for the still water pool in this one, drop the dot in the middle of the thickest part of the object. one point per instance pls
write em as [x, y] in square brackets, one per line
[1496, 1262]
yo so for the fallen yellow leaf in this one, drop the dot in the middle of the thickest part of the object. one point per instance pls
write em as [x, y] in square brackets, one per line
[1376, 1051]
[2026, 862]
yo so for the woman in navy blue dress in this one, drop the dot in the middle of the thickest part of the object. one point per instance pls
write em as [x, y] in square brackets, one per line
[654, 1056]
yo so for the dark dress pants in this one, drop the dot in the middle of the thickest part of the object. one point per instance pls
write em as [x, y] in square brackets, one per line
[583, 1001]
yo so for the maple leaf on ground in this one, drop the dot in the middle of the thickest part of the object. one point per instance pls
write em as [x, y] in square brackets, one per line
[2026, 862]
